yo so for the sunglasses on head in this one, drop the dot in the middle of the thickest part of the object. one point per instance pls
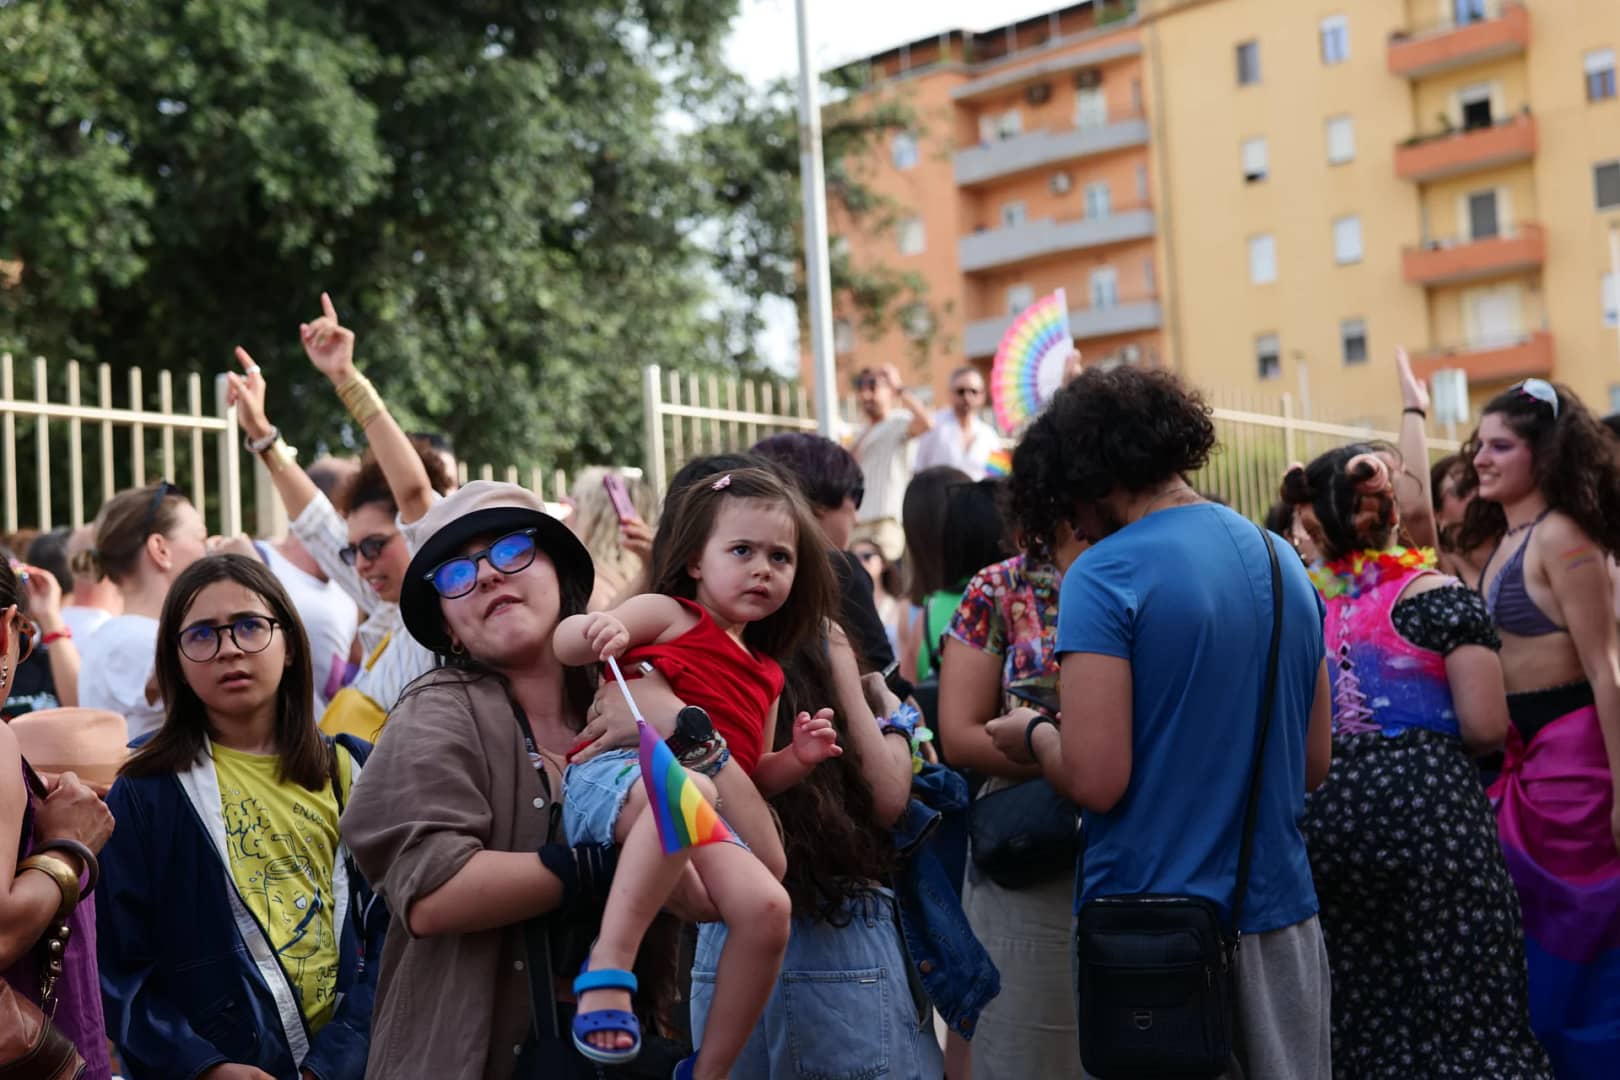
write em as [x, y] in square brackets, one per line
[459, 576]
[371, 547]
[1542, 391]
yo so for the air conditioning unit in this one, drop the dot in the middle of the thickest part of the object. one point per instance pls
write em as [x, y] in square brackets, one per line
[1088, 79]
[1038, 93]
[1061, 183]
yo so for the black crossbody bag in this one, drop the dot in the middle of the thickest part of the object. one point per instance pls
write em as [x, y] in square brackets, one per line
[1156, 979]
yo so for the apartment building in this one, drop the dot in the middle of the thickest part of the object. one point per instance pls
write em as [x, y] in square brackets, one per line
[1271, 195]
[1030, 170]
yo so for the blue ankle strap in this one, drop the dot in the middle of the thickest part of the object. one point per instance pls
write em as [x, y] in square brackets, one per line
[605, 979]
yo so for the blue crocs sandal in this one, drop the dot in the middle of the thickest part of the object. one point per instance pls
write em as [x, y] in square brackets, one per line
[600, 1020]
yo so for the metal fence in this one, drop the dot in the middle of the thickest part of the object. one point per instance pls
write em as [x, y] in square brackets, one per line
[127, 434]
[684, 416]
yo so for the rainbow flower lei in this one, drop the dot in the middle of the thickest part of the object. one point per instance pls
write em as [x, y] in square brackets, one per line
[1361, 571]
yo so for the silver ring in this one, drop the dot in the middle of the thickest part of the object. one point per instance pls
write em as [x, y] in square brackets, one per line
[254, 370]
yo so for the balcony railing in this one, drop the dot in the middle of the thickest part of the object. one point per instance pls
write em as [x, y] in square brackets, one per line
[1518, 357]
[1425, 158]
[1125, 315]
[1035, 149]
[1005, 246]
[1450, 262]
[1448, 44]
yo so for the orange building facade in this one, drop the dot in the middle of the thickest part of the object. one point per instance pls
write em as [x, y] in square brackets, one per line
[1029, 171]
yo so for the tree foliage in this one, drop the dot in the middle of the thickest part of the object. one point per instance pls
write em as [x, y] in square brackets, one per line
[515, 203]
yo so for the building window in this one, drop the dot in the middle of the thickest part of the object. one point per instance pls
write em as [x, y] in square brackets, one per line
[1104, 288]
[1599, 65]
[1263, 259]
[1611, 301]
[1347, 239]
[1353, 340]
[1474, 104]
[1248, 63]
[1013, 214]
[1469, 11]
[1483, 220]
[1341, 140]
[1142, 194]
[1149, 282]
[1335, 39]
[917, 321]
[1254, 160]
[1010, 124]
[1268, 356]
[1019, 297]
[843, 337]
[903, 150]
[1090, 107]
[1098, 202]
[913, 239]
[1606, 180]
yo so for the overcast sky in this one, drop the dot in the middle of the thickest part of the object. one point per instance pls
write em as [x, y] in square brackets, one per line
[763, 46]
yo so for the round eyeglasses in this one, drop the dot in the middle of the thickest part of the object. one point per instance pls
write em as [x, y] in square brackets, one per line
[201, 642]
[459, 576]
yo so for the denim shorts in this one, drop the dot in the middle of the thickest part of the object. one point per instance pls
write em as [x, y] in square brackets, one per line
[594, 793]
[842, 1008]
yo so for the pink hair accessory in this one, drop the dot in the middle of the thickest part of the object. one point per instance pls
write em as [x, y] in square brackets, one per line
[721, 484]
[1378, 481]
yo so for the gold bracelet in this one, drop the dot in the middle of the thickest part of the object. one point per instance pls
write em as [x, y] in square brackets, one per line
[360, 398]
[67, 880]
[278, 456]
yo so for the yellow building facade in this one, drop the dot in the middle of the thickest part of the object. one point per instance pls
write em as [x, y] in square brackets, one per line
[1289, 189]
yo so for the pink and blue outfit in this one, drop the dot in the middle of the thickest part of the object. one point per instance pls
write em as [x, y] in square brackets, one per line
[1554, 798]
[1417, 907]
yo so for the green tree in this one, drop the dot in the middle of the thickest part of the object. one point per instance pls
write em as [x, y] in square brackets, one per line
[515, 204]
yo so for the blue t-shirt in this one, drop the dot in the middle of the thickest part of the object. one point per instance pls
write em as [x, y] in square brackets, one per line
[1184, 594]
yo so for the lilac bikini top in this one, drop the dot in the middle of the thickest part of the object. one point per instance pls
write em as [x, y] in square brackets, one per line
[1509, 601]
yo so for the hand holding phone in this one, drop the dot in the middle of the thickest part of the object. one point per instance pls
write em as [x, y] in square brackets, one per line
[619, 496]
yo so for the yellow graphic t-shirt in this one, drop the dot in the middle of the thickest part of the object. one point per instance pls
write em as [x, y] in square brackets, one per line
[282, 839]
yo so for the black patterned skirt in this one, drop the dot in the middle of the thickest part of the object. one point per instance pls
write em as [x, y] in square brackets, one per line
[1420, 916]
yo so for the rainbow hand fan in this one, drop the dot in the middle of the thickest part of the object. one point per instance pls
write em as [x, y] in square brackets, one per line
[1029, 362]
[684, 817]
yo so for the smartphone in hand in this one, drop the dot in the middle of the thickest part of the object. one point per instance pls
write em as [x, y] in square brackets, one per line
[619, 496]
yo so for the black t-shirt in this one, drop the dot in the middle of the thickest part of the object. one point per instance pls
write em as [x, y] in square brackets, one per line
[858, 610]
[33, 688]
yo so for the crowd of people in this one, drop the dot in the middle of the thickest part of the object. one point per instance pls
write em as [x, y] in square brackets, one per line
[381, 813]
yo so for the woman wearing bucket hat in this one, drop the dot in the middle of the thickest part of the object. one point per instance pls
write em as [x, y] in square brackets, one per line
[465, 790]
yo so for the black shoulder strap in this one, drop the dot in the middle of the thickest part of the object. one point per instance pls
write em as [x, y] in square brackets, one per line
[1268, 703]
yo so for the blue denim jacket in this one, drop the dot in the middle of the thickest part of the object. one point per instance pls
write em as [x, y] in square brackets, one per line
[956, 972]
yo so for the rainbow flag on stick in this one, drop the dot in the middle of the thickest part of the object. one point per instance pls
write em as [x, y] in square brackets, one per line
[1000, 464]
[684, 817]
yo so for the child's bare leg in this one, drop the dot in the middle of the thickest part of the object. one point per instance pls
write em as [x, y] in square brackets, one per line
[756, 911]
[641, 884]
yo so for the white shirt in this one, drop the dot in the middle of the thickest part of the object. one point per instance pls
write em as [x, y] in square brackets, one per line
[115, 665]
[330, 619]
[390, 658]
[883, 451]
[944, 446]
[84, 621]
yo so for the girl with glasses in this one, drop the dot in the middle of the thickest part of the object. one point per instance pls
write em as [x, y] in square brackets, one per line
[237, 940]
[366, 541]
[1548, 510]
[145, 538]
[49, 840]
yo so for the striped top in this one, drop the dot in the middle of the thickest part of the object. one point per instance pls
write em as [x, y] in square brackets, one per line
[392, 659]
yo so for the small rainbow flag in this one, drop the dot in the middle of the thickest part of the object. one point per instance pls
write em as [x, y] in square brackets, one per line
[683, 816]
[1000, 463]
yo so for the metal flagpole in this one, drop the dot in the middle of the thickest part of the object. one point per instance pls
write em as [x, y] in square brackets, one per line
[818, 279]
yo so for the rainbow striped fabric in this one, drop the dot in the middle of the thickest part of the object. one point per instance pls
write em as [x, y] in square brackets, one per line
[684, 817]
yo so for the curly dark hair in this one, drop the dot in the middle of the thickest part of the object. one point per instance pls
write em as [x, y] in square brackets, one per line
[1126, 429]
[1576, 468]
[1351, 497]
[370, 485]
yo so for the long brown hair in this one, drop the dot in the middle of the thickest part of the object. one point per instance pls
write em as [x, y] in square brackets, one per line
[691, 518]
[302, 753]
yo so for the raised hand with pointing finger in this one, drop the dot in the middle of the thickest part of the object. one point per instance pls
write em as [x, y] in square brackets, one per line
[246, 392]
[328, 343]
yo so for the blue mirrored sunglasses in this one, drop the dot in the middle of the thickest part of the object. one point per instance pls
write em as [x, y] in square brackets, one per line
[1542, 391]
[459, 576]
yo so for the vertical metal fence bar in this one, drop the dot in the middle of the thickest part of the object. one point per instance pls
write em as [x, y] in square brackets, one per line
[750, 405]
[537, 480]
[137, 431]
[652, 428]
[486, 472]
[230, 463]
[677, 439]
[512, 475]
[194, 400]
[75, 450]
[109, 483]
[735, 432]
[166, 406]
[559, 482]
[8, 434]
[695, 398]
[42, 434]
